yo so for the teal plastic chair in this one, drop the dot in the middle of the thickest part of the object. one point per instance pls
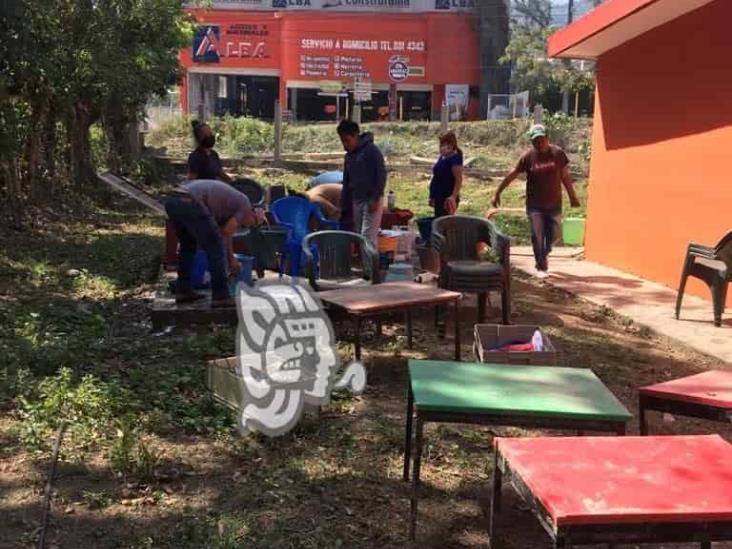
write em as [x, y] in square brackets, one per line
[337, 259]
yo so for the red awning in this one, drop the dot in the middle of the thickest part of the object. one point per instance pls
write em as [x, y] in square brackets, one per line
[615, 22]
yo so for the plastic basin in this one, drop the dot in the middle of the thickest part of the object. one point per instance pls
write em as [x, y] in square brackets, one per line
[573, 231]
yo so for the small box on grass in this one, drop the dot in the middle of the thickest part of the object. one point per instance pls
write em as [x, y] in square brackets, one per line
[222, 379]
[495, 336]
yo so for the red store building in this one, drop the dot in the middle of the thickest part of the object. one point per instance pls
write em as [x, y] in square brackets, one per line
[397, 58]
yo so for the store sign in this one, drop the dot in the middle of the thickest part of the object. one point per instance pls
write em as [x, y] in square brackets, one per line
[362, 90]
[333, 87]
[413, 6]
[398, 69]
[245, 41]
[456, 4]
[206, 45]
[457, 97]
[346, 5]
[296, 4]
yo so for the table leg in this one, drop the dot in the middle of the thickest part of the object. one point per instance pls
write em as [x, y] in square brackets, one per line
[409, 328]
[415, 479]
[408, 435]
[642, 419]
[705, 545]
[496, 498]
[439, 326]
[457, 330]
[357, 351]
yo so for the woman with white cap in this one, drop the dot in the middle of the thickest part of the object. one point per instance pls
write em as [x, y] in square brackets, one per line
[547, 168]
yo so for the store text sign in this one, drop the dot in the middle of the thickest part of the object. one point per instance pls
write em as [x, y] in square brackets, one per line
[361, 57]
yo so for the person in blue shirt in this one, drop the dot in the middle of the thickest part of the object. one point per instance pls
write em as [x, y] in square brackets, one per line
[447, 177]
[364, 179]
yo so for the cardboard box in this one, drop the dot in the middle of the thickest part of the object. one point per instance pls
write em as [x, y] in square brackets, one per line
[491, 336]
[222, 379]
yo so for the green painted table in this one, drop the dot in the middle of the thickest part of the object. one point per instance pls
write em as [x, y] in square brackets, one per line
[540, 397]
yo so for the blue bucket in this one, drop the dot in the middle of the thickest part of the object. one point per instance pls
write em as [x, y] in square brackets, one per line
[424, 224]
[199, 270]
[247, 265]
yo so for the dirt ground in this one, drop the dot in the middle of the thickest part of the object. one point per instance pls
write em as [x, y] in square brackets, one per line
[332, 482]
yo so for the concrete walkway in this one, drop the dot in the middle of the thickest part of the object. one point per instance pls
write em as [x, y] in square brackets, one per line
[647, 303]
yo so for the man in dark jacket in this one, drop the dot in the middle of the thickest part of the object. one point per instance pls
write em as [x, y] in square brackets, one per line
[364, 179]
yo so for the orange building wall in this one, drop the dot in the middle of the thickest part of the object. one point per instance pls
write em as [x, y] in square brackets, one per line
[661, 172]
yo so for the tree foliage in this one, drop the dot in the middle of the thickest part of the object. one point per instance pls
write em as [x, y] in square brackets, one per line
[68, 64]
[527, 54]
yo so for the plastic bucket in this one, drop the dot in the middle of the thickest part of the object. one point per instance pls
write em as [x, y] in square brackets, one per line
[247, 264]
[200, 279]
[573, 231]
[399, 272]
[424, 224]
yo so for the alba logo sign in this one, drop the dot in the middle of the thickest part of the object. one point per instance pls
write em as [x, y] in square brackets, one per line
[241, 40]
[206, 45]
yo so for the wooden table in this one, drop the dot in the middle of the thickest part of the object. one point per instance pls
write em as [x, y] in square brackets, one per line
[588, 490]
[389, 297]
[707, 396]
[542, 397]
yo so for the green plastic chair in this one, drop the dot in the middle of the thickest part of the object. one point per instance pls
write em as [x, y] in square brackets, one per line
[456, 239]
[330, 261]
[714, 267]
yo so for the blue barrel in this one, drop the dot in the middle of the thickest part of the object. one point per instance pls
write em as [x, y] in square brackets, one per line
[424, 224]
[199, 270]
[247, 265]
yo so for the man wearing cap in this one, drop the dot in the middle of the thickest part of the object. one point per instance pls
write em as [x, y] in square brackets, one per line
[546, 169]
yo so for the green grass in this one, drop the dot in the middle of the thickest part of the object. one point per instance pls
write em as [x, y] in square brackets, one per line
[494, 144]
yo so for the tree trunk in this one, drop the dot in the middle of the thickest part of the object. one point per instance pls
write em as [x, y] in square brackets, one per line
[122, 139]
[49, 149]
[82, 171]
[34, 145]
[493, 25]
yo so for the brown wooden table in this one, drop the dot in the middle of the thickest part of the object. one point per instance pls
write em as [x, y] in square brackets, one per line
[392, 297]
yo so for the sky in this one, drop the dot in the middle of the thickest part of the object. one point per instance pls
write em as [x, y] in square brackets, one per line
[559, 10]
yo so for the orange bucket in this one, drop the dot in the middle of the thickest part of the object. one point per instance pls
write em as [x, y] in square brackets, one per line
[388, 243]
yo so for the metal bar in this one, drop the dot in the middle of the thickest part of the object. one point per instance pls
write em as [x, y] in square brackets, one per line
[688, 409]
[408, 435]
[496, 498]
[357, 351]
[508, 420]
[457, 330]
[415, 479]
[409, 328]
[642, 419]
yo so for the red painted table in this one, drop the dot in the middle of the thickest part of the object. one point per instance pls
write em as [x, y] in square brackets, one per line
[588, 490]
[707, 396]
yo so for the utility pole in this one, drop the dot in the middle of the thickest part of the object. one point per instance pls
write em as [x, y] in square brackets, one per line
[567, 62]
